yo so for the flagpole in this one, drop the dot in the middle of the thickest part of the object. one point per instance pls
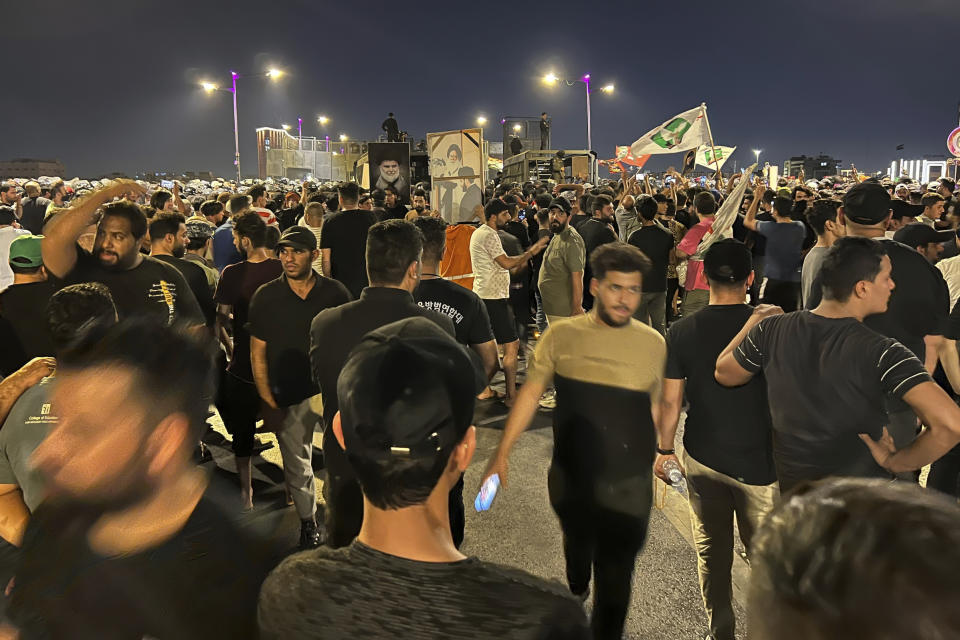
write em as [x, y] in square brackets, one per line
[703, 106]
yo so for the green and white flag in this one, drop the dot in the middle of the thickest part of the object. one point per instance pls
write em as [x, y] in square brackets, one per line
[680, 133]
[726, 215]
[705, 156]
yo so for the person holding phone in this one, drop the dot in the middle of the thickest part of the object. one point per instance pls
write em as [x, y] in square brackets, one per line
[607, 368]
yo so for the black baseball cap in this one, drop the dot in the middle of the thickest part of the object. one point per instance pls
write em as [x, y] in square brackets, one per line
[915, 234]
[903, 209]
[407, 391]
[727, 260]
[299, 238]
[866, 203]
[560, 203]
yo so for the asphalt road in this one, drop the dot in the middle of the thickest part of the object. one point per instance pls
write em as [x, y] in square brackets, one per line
[521, 529]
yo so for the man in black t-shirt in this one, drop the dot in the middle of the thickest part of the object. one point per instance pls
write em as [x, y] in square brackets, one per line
[919, 305]
[406, 399]
[168, 243]
[544, 131]
[280, 315]
[344, 239]
[726, 437]
[129, 543]
[595, 231]
[828, 375]
[657, 244]
[470, 318]
[34, 208]
[758, 244]
[393, 208]
[140, 285]
[393, 255]
[237, 400]
[391, 128]
[23, 305]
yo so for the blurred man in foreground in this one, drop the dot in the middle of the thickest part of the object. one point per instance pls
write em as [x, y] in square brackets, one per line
[128, 544]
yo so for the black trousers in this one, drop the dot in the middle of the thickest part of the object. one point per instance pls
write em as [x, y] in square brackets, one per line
[239, 404]
[783, 293]
[343, 509]
[604, 541]
[945, 473]
[673, 284]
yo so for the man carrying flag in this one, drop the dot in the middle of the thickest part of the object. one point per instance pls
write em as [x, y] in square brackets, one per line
[715, 223]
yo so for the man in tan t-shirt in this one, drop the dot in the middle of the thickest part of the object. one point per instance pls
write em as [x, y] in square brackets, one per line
[608, 369]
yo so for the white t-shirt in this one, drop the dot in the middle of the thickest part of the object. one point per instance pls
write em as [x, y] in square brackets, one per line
[490, 280]
[318, 263]
[950, 268]
[7, 235]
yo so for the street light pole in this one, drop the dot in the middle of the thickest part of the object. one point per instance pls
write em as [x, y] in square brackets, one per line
[586, 81]
[236, 128]
[551, 78]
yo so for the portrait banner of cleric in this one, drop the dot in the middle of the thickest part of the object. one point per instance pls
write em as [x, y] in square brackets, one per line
[390, 167]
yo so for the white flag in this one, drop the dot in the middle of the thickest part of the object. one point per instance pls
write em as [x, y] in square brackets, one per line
[723, 221]
[714, 157]
[680, 133]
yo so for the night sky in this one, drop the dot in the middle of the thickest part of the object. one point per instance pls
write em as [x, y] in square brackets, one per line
[113, 87]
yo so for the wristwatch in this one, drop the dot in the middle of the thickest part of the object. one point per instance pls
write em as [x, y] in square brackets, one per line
[666, 452]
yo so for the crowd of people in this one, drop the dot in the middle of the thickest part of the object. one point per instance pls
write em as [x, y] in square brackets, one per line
[803, 334]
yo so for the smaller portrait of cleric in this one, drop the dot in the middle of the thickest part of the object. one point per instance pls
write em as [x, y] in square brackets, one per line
[390, 167]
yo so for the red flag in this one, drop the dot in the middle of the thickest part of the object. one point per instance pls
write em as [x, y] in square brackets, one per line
[624, 156]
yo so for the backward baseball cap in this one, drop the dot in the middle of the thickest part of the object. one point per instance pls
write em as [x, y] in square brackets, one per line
[407, 390]
[867, 203]
[25, 252]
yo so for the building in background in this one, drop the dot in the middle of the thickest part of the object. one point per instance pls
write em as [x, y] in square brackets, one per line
[31, 168]
[814, 168]
[281, 155]
[923, 170]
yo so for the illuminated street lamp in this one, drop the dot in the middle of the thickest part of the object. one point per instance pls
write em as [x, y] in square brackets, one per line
[286, 127]
[517, 127]
[756, 153]
[552, 79]
[344, 137]
[481, 120]
[323, 120]
[210, 87]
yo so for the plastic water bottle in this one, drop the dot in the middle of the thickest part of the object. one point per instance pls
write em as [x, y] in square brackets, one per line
[677, 481]
[487, 493]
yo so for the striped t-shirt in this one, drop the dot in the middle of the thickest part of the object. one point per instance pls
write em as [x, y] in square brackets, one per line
[827, 379]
